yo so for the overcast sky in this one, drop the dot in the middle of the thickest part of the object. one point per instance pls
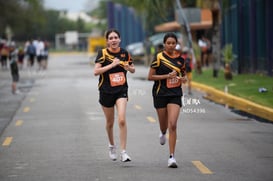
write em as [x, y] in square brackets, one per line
[71, 5]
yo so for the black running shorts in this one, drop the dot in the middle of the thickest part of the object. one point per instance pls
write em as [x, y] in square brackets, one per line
[109, 100]
[161, 102]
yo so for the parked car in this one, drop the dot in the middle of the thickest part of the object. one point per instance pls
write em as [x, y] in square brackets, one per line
[137, 49]
[157, 39]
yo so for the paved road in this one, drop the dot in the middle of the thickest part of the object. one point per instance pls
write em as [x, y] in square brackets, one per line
[57, 133]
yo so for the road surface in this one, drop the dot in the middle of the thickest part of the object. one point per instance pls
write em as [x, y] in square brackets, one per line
[57, 133]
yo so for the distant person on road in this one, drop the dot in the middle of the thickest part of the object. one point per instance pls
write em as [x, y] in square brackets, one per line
[13, 56]
[206, 49]
[31, 53]
[4, 55]
[21, 57]
[188, 64]
[112, 64]
[167, 70]
[40, 46]
[188, 67]
[46, 54]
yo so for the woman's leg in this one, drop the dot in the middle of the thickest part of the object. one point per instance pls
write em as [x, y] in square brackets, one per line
[110, 117]
[121, 104]
[163, 119]
[173, 114]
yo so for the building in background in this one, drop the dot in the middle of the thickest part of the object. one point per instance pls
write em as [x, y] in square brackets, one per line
[126, 21]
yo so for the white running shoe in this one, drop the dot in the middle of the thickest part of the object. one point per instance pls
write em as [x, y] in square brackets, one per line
[172, 163]
[113, 152]
[162, 139]
[17, 92]
[124, 157]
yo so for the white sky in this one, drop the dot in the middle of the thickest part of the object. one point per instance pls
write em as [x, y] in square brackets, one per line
[71, 5]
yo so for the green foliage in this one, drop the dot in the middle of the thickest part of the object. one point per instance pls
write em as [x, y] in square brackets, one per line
[152, 12]
[28, 19]
[23, 17]
[101, 11]
[228, 54]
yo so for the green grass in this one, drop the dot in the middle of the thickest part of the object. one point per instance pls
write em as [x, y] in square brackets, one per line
[243, 85]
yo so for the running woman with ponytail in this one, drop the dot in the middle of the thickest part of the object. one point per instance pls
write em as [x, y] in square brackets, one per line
[112, 64]
[167, 70]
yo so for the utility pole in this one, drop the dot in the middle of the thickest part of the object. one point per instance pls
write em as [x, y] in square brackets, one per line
[188, 30]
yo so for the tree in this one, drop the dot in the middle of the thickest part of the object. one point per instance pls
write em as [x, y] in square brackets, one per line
[52, 25]
[152, 12]
[80, 25]
[24, 17]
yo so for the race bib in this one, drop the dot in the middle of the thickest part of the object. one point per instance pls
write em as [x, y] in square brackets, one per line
[173, 82]
[117, 79]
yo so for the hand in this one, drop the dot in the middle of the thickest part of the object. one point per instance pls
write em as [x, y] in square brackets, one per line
[126, 66]
[172, 74]
[183, 79]
[115, 62]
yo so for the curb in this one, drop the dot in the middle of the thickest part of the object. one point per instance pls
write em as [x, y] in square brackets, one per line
[234, 102]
